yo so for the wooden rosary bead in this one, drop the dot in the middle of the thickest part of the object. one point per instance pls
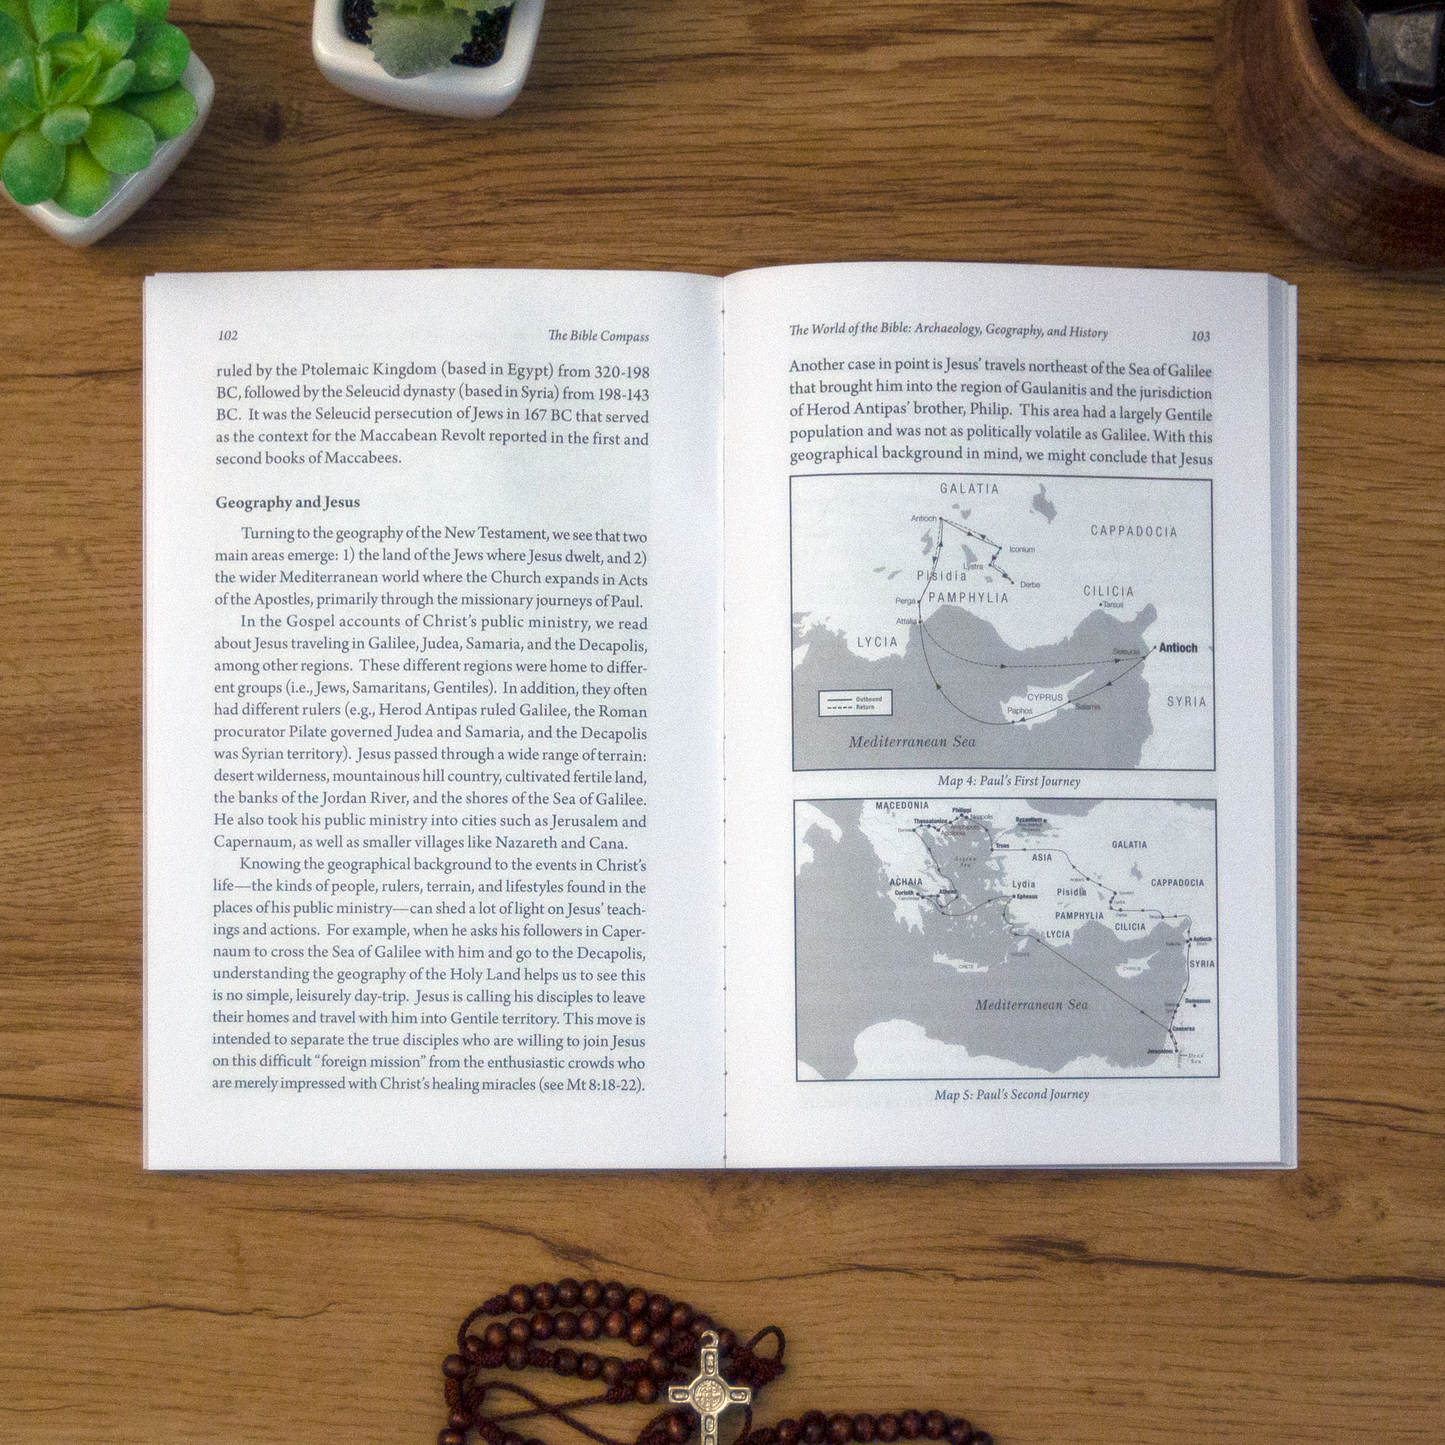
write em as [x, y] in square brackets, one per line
[544, 1295]
[840, 1429]
[452, 1437]
[542, 1326]
[935, 1422]
[459, 1420]
[564, 1362]
[589, 1366]
[615, 1324]
[788, 1432]
[519, 1299]
[680, 1317]
[815, 1427]
[614, 1294]
[472, 1348]
[646, 1388]
[910, 1423]
[637, 1302]
[613, 1369]
[592, 1294]
[888, 1430]
[958, 1432]
[516, 1357]
[569, 1292]
[589, 1324]
[637, 1332]
[679, 1427]
[519, 1332]
[454, 1367]
[658, 1309]
[495, 1336]
[865, 1428]
[564, 1325]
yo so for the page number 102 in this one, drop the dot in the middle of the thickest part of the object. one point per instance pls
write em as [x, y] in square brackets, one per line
[231, 336]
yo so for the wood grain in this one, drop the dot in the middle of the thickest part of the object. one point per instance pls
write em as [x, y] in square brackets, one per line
[1306, 1307]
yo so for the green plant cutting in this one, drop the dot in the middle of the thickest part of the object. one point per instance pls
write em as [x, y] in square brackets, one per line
[88, 90]
[412, 37]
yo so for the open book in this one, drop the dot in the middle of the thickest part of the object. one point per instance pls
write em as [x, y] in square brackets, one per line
[834, 715]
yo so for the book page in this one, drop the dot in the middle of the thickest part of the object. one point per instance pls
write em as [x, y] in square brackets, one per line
[1007, 878]
[432, 720]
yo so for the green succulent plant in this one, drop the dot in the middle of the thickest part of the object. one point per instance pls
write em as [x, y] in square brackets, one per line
[88, 90]
[411, 37]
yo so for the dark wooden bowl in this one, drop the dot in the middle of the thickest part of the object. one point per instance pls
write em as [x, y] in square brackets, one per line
[1339, 182]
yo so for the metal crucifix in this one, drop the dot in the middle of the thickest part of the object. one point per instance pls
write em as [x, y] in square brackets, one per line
[709, 1394]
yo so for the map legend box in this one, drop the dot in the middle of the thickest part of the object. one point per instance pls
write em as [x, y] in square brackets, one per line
[850, 703]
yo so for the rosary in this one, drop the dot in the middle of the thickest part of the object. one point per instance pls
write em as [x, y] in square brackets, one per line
[527, 1319]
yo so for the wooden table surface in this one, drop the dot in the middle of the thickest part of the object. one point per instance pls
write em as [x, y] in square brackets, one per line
[690, 134]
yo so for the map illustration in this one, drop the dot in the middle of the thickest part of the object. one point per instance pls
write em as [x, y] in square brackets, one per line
[988, 621]
[1004, 938]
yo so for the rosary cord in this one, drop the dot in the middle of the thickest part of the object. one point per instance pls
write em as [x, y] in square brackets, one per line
[541, 1407]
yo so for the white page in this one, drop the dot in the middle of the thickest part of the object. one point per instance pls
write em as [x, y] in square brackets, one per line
[439, 911]
[1001, 784]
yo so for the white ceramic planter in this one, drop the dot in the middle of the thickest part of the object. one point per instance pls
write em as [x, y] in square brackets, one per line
[133, 191]
[464, 90]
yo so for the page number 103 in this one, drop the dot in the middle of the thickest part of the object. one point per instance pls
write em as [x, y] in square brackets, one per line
[1200, 336]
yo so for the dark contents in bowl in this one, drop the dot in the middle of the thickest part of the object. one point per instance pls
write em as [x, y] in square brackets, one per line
[489, 38]
[489, 33]
[1389, 58]
[356, 20]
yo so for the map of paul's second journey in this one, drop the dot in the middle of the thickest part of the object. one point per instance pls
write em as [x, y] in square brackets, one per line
[1006, 938]
[979, 621]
